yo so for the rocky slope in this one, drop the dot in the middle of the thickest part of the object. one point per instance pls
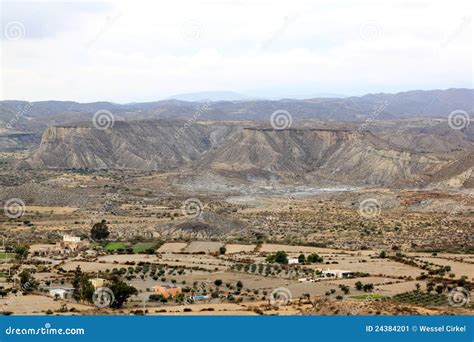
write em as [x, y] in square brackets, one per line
[458, 173]
[349, 156]
[143, 145]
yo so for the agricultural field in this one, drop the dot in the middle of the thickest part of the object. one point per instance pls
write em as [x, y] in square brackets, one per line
[114, 246]
[6, 255]
[264, 256]
[203, 247]
[172, 247]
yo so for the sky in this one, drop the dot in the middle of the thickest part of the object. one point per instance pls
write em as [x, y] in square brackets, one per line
[136, 51]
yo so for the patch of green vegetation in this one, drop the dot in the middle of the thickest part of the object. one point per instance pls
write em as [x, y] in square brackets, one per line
[422, 298]
[113, 246]
[142, 247]
[369, 296]
[5, 255]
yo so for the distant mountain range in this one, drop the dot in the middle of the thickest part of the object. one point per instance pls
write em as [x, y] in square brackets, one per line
[212, 96]
[37, 116]
[215, 96]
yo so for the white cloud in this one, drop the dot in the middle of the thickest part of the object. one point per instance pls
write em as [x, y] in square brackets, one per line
[139, 51]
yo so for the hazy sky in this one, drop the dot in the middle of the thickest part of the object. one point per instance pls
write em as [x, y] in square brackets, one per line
[128, 51]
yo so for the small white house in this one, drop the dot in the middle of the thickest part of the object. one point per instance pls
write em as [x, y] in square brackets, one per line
[293, 261]
[307, 280]
[337, 274]
[71, 238]
[62, 293]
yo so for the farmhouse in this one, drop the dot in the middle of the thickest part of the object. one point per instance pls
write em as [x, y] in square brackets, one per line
[167, 291]
[308, 280]
[41, 249]
[97, 282]
[337, 274]
[71, 243]
[62, 293]
[293, 261]
[68, 245]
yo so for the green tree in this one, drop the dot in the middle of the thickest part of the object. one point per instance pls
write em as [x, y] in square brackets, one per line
[301, 258]
[76, 283]
[359, 286]
[218, 282]
[271, 258]
[239, 285]
[383, 254]
[122, 292]
[83, 288]
[281, 257]
[100, 231]
[155, 297]
[368, 287]
[28, 283]
[87, 289]
[222, 250]
[314, 258]
[345, 289]
[21, 252]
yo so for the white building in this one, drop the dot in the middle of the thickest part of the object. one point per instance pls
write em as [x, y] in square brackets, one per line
[308, 280]
[62, 293]
[337, 274]
[292, 261]
[71, 238]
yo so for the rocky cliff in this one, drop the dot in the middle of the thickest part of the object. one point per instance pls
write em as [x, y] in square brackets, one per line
[344, 155]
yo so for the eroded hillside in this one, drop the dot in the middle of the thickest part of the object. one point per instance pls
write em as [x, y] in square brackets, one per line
[345, 155]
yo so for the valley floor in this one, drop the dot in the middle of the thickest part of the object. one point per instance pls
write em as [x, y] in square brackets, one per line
[412, 248]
